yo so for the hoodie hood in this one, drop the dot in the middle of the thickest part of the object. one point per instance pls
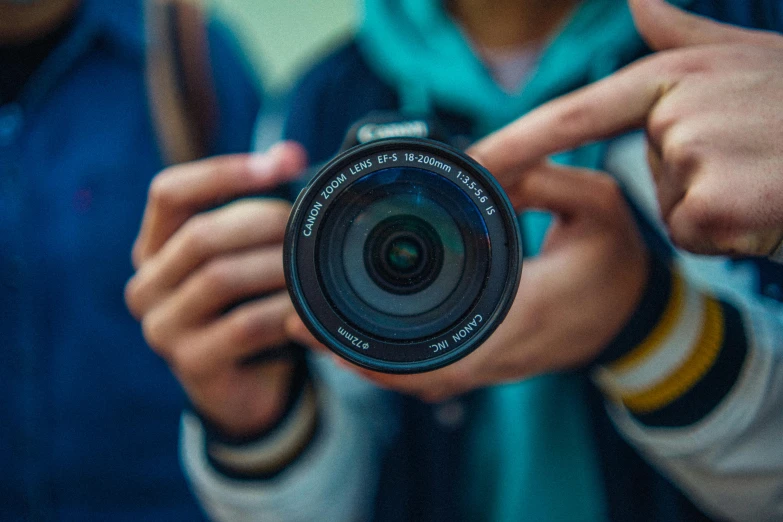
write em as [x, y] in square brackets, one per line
[415, 46]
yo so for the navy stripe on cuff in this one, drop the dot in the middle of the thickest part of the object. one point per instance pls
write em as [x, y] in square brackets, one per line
[713, 387]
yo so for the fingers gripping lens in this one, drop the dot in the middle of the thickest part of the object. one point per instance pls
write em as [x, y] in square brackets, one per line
[402, 255]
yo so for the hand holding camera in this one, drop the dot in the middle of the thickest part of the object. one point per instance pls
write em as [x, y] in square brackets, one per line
[201, 269]
[402, 254]
[572, 299]
[395, 264]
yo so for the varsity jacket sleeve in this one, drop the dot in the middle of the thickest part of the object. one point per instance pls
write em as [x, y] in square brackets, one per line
[695, 383]
[333, 478]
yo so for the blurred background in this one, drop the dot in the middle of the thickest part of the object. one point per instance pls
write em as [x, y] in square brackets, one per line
[283, 37]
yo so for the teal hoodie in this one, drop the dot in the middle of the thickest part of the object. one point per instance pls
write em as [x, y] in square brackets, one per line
[531, 455]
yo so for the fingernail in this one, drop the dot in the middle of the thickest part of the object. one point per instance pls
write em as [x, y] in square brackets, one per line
[261, 164]
[282, 162]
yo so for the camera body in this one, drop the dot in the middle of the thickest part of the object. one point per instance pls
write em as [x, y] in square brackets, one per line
[402, 254]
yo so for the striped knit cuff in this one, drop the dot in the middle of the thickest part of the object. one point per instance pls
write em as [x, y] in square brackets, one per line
[679, 355]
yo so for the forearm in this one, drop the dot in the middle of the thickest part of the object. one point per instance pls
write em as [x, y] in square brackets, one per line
[698, 388]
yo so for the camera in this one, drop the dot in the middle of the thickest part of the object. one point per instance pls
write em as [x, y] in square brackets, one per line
[402, 254]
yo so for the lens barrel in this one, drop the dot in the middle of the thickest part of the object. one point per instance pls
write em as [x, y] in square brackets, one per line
[402, 255]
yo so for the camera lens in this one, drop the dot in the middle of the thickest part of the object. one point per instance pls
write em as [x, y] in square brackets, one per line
[402, 255]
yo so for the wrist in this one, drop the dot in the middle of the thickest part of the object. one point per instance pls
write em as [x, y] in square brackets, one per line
[269, 386]
[647, 314]
[268, 450]
[677, 357]
[245, 410]
[273, 451]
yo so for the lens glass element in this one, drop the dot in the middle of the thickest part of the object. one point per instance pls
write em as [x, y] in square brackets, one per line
[403, 254]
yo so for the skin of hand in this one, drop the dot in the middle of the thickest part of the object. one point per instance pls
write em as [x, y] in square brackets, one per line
[572, 299]
[710, 103]
[204, 247]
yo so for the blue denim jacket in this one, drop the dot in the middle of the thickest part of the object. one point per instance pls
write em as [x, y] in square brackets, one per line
[89, 415]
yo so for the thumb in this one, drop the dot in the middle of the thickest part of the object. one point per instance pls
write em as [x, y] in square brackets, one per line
[664, 26]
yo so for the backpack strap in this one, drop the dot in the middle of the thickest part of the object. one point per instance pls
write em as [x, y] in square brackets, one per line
[179, 79]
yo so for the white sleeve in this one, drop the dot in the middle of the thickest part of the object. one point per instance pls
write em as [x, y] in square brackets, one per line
[334, 479]
[731, 461]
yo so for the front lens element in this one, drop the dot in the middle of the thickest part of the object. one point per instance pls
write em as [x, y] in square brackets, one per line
[403, 254]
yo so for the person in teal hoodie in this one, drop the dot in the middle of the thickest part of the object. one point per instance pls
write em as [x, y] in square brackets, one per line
[549, 447]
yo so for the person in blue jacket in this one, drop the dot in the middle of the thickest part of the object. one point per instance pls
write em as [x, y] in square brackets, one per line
[629, 382]
[88, 416]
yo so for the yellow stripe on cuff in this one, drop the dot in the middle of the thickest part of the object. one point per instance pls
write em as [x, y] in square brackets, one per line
[690, 372]
[659, 334]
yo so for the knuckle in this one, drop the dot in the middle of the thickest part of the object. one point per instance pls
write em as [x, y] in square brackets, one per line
[218, 278]
[675, 64]
[198, 236]
[699, 212]
[243, 328]
[697, 224]
[186, 362]
[681, 148]
[609, 193]
[610, 188]
[681, 238]
[133, 298]
[155, 332]
[573, 116]
[234, 172]
[660, 120]
[163, 191]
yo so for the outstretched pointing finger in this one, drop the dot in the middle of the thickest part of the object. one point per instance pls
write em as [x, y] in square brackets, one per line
[603, 109]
